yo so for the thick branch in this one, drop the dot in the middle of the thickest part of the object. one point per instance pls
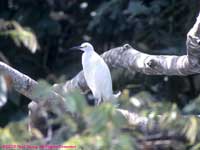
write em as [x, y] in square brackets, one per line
[133, 60]
[26, 86]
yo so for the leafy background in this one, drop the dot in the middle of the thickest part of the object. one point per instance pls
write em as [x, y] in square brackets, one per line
[35, 36]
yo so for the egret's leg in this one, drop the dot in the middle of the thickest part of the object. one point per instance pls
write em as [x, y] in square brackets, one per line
[97, 97]
[98, 101]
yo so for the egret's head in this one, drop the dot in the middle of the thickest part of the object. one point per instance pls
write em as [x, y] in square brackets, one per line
[84, 47]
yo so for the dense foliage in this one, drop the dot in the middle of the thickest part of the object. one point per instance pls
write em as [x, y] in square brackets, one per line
[35, 36]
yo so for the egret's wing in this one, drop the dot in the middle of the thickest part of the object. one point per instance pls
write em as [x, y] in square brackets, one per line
[89, 69]
[103, 79]
[97, 75]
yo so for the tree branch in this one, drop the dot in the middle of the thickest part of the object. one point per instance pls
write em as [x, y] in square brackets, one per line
[128, 58]
[27, 86]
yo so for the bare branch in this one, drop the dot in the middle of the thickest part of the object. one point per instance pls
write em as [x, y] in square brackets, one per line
[26, 86]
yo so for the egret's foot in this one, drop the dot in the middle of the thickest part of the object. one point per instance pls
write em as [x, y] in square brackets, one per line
[98, 102]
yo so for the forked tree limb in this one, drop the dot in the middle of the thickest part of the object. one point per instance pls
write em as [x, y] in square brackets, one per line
[128, 58]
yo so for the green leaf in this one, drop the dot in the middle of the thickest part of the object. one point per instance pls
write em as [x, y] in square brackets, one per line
[191, 129]
[21, 35]
[122, 142]
[75, 101]
[42, 89]
[196, 147]
[86, 142]
[103, 118]
[14, 133]
[193, 106]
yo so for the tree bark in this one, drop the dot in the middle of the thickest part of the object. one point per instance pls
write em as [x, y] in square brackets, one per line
[128, 58]
[27, 86]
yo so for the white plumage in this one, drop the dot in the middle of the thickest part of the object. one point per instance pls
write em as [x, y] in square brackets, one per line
[97, 74]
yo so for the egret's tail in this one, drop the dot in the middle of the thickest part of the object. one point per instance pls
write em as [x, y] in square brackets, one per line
[113, 100]
[117, 95]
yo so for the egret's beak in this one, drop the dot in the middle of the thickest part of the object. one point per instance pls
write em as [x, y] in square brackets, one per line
[76, 48]
[69, 50]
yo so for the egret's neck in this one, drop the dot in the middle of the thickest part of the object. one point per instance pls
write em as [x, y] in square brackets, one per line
[87, 55]
[89, 51]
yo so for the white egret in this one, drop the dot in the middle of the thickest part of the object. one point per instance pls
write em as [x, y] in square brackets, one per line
[97, 74]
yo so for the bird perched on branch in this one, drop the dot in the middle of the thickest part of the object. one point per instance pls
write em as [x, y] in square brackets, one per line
[97, 74]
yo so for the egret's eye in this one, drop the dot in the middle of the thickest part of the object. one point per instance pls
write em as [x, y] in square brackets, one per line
[84, 46]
